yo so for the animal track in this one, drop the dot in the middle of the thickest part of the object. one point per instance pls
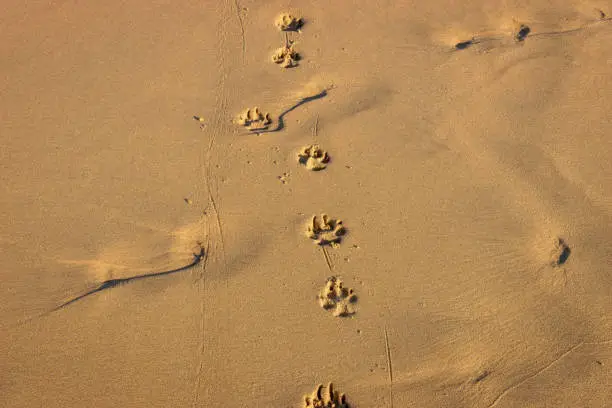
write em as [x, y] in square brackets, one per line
[560, 253]
[325, 231]
[287, 22]
[335, 296]
[313, 157]
[328, 399]
[254, 120]
[286, 56]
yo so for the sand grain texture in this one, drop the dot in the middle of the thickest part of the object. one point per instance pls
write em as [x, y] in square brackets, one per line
[457, 169]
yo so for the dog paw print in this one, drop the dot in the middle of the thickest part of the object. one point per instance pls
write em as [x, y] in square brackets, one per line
[313, 157]
[325, 231]
[325, 397]
[254, 120]
[334, 296]
[287, 22]
[286, 56]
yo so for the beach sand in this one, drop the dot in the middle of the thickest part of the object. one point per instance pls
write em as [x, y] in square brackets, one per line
[469, 151]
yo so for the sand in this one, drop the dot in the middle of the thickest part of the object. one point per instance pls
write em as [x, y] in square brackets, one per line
[467, 151]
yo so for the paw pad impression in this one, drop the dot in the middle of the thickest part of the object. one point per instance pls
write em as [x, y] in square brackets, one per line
[313, 157]
[334, 296]
[325, 231]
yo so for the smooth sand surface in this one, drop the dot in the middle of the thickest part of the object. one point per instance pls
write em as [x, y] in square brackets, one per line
[475, 185]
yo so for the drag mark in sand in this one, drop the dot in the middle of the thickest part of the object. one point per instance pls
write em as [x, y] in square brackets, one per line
[113, 283]
[541, 370]
[200, 365]
[389, 367]
[524, 31]
[281, 123]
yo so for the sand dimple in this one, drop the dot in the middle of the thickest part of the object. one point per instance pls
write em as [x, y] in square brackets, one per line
[522, 32]
[288, 22]
[254, 119]
[334, 296]
[325, 397]
[325, 231]
[313, 157]
[560, 253]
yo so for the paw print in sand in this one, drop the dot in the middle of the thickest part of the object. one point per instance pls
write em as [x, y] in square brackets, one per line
[287, 22]
[325, 231]
[286, 56]
[254, 120]
[313, 157]
[328, 399]
[335, 296]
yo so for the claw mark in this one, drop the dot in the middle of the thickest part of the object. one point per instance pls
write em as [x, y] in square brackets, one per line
[541, 370]
[389, 366]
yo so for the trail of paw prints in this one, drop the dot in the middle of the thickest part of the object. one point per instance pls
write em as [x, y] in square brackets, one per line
[337, 298]
[313, 157]
[325, 397]
[286, 56]
[325, 231]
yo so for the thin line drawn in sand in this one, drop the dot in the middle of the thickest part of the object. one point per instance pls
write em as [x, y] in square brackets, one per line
[313, 157]
[112, 283]
[202, 346]
[334, 296]
[327, 259]
[281, 123]
[389, 366]
[523, 32]
[328, 399]
[543, 369]
[237, 6]
[315, 130]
